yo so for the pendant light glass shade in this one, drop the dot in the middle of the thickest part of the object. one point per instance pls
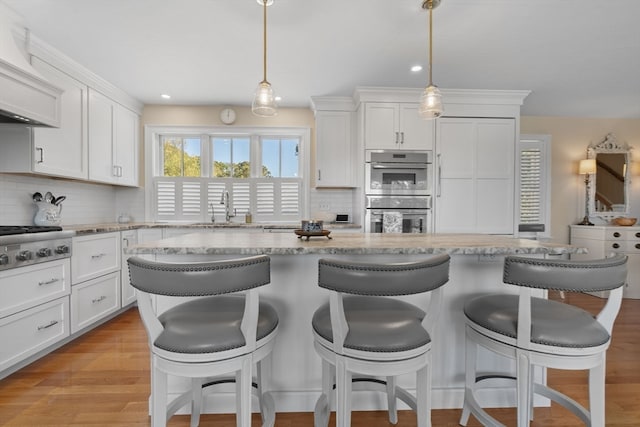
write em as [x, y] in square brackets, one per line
[431, 99]
[430, 103]
[264, 100]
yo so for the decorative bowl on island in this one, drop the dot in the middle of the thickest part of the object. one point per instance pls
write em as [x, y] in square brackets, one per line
[626, 222]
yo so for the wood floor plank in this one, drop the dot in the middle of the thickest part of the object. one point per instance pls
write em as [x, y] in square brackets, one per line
[102, 379]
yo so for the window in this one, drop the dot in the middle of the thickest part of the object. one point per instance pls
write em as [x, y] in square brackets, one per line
[262, 170]
[180, 156]
[534, 184]
[231, 157]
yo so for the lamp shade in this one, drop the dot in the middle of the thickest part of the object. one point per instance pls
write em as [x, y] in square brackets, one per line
[587, 166]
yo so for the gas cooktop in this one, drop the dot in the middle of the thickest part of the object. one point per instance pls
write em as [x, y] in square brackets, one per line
[7, 230]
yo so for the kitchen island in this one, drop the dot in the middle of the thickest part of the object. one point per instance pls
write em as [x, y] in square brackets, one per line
[476, 267]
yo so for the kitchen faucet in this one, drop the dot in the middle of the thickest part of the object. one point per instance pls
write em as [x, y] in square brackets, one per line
[227, 209]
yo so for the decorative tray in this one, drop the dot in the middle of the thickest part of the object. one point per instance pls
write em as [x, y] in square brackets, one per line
[307, 234]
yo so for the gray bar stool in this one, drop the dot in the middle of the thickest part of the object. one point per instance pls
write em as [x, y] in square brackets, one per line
[224, 331]
[540, 332]
[361, 330]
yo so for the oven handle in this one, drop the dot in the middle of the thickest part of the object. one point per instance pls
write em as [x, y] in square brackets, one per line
[399, 166]
[401, 210]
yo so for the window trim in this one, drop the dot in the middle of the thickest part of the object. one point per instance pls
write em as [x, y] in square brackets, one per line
[152, 154]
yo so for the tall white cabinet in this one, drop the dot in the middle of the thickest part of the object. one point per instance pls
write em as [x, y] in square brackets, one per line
[475, 175]
[334, 142]
[606, 240]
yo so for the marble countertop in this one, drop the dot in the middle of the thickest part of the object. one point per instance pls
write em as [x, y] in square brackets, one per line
[348, 243]
[116, 226]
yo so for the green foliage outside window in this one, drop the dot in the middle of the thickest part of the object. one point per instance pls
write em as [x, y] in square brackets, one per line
[174, 158]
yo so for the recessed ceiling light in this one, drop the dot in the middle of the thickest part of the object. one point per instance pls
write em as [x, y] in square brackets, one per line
[416, 68]
[165, 96]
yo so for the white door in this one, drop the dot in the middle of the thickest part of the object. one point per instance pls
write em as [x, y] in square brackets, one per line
[381, 126]
[416, 133]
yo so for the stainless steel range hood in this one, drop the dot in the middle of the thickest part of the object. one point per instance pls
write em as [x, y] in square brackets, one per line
[25, 96]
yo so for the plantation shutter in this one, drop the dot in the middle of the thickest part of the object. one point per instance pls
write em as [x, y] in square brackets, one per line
[534, 180]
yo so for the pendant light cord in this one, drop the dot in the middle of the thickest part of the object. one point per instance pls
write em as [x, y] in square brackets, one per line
[264, 42]
[430, 41]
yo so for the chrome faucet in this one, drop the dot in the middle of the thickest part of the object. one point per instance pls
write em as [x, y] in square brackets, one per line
[227, 209]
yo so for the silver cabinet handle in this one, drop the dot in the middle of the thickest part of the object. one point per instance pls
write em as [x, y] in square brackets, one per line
[319, 175]
[397, 137]
[48, 282]
[97, 256]
[401, 137]
[48, 325]
[439, 176]
[41, 150]
[96, 300]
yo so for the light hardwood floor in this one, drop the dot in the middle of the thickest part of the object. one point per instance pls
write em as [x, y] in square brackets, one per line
[102, 379]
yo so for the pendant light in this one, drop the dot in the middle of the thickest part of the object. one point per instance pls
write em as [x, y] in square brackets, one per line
[431, 99]
[264, 102]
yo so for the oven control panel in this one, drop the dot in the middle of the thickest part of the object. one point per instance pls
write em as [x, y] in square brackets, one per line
[13, 255]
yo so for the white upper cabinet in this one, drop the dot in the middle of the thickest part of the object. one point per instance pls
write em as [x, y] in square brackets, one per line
[63, 151]
[334, 160]
[475, 175]
[396, 126]
[59, 151]
[113, 141]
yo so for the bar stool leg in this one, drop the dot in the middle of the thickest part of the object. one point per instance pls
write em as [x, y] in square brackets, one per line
[158, 397]
[196, 401]
[470, 377]
[391, 400]
[243, 394]
[596, 394]
[423, 402]
[343, 394]
[524, 388]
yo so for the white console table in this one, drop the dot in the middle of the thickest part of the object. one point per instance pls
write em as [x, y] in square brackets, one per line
[604, 240]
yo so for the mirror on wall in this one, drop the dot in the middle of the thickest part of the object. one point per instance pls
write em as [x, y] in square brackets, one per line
[610, 189]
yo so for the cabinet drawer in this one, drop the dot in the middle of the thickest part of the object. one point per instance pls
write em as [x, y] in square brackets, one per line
[623, 234]
[95, 255]
[94, 299]
[26, 333]
[25, 287]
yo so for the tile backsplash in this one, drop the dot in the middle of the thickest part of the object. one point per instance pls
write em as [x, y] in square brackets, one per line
[85, 202]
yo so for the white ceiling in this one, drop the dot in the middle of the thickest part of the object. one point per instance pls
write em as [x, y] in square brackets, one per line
[578, 57]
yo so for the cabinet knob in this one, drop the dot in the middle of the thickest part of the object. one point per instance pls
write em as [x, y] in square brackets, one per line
[637, 245]
[637, 234]
[615, 246]
[616, 234]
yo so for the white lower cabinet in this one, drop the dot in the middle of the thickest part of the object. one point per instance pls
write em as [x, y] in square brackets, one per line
[34, 309]
[95, 273]
[30, 331]
[95, 255]
[129, 238]
[94, 299]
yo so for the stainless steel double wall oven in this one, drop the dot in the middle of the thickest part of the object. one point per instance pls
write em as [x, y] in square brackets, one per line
[398, 191]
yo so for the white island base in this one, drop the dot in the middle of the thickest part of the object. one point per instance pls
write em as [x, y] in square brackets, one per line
[296, 369]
